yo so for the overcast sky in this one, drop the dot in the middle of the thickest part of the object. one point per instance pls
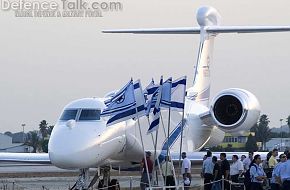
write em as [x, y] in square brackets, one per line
[48, 62]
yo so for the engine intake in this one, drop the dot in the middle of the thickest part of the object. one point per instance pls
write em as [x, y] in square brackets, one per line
[235, 110]
[228, 109]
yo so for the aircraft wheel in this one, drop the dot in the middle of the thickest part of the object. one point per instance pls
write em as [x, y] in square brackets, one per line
[114, 185]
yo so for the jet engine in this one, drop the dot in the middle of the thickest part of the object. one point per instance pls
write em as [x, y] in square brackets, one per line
[235, 110]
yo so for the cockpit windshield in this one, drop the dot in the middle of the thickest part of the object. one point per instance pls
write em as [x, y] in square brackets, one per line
[90, 114]
[69, 114]
[80, 114]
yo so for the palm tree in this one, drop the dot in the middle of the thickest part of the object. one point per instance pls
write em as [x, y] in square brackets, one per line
[262, 130]
[288, 123]
[33, 140]
[44, 145]
[43, 128]
[251, 144]
[50, 128]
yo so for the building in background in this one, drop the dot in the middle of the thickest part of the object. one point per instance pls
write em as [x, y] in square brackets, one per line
[19, 137]
[235, 141]
[280, 144]
[7, 145]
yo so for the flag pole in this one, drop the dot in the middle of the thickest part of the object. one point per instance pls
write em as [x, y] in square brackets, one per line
[168, 131]
[164, 131]
[145, 159]
[142, 143]
[180, 148]
[181, 136]
[155, 152]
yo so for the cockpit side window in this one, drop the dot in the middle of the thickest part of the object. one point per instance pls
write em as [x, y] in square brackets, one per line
[69, 114]
[89, 114]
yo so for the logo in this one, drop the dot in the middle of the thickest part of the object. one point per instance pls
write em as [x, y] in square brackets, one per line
[59, 8]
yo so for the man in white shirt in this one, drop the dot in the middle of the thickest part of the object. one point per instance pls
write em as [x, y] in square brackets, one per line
[207, 171]
[236, 169]
[247, 161]
[167, 172]
[186, 170]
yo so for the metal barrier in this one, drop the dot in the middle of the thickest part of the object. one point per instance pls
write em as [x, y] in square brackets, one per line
[6, 185]
[130, 183]
[232, 185]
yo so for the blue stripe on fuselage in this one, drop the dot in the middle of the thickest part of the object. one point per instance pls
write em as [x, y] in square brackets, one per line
[169, 142]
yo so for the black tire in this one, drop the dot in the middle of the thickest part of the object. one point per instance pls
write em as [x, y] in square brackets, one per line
[114, 185]
[101, 184]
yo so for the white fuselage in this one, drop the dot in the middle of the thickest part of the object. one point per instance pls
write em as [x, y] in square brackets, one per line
[84, 144]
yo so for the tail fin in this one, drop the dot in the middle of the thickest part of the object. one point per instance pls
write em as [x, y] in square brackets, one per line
[208, 19]
[200, 91]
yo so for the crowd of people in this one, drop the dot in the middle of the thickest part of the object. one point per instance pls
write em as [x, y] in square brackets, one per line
[251, 171]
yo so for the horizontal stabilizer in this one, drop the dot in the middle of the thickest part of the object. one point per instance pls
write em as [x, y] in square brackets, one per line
[209, 29]
[185, 30]
[247, 29]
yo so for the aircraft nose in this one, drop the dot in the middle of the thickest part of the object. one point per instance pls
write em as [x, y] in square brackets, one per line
[81, 146]
[69, 146]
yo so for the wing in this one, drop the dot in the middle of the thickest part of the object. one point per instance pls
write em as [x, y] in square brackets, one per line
[36, 158]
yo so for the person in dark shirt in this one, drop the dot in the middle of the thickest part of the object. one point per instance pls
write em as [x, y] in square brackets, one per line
[225, 169]
[217, 174]
[144, 177]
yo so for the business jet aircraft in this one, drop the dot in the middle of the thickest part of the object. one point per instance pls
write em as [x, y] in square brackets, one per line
[81, 139]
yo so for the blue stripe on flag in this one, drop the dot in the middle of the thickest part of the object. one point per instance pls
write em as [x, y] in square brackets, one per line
[122, 115]
[151, 90]
[140, 108]
[183, 81]
[177, 105]
[166, 102]
[111, 111]
[136, 85]
[154, 124]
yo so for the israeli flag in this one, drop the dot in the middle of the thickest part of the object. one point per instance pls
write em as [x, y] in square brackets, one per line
[149, 90]
[178, 91]
[140, 100]
[150, 98]
[156, 111]
[166, 93]
[151, 103]
[122, 101]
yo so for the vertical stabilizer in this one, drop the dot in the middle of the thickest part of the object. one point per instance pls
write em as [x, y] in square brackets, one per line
[200, 92]
[208, 19]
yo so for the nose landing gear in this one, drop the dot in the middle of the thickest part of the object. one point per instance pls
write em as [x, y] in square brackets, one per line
[84, 178]
[83, 181]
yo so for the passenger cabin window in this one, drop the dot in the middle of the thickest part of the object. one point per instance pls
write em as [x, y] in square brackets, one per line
[68, 114]
[90, 114]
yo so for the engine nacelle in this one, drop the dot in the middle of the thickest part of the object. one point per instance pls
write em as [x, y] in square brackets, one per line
[235, 110]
